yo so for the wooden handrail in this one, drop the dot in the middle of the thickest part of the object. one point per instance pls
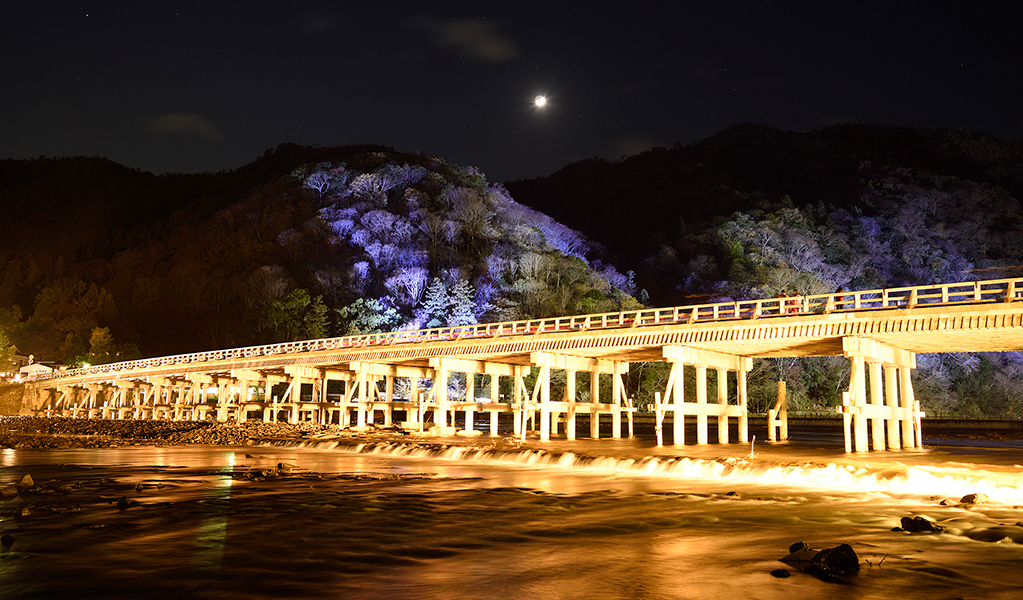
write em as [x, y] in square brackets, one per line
[995, 290]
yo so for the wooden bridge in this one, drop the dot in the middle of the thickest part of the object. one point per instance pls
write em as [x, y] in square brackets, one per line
[405, 375]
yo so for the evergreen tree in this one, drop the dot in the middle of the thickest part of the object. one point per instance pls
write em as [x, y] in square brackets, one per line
[436, 304]
[462, 300]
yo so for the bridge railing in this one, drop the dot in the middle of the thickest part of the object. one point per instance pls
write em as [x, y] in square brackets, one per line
[998, 290]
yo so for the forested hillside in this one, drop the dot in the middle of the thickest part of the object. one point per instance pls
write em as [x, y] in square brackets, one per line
[754, 211]
[103, 263]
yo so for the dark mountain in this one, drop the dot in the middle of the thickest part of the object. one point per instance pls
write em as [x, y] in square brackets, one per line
[635, 205]
[101, 262]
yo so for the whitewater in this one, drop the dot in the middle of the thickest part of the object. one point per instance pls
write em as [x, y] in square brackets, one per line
[492, 518]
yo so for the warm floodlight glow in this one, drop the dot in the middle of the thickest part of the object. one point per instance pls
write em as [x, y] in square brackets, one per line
[540, 100]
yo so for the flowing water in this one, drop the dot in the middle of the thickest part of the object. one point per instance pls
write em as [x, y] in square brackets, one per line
[586, 519]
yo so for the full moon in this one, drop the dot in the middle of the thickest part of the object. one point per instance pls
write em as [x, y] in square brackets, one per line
[540, 100]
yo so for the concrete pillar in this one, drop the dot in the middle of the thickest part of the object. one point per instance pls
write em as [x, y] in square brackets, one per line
[470, 396]
[570, 398]
[857, 382]
[909, 435]
[743, 398]
[876, 399]
[595, 400]
[441, 396]
[701, 399]
[891, 398]
[544, 381]
[363, 385]
[616, 397]
[495, 390]
[389, 399]
[517, 408]
[723, 401]
[677, 398]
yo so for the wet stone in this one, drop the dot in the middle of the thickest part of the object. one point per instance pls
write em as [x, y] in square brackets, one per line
[975, 499]
[920, 525]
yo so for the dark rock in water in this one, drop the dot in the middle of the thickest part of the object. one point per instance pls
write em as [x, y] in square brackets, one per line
[781, 573]
[975, 499]
[947, 502]
[732, 494]
[23, 512]
[841, 558]
[25, 483]
[830, 565]
[139, 487]
[921, 524]
[7, 540]
[122, 503]
[8, 493]
[897, 529]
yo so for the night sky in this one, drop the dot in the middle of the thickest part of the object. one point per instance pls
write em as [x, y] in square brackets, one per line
[206, 86]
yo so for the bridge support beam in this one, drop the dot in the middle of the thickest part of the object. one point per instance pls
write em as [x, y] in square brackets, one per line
[565, 409]
[679, 357]
[886, 366]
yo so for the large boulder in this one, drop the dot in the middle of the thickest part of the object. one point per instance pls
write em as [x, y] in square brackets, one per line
[831, 564]
[920, 525]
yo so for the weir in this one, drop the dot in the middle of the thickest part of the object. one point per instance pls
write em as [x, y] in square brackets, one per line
[422, 380]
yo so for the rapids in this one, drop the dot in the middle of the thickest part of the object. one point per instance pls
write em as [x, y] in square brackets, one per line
[431, 519]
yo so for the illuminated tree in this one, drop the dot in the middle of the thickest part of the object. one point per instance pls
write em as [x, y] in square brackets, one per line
[436, 304]
[461, 301]
[367, 316]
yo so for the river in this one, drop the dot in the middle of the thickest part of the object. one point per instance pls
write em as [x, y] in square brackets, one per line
[483, 518]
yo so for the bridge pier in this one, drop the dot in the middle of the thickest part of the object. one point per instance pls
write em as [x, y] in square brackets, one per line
[679, 357]
[887, 412]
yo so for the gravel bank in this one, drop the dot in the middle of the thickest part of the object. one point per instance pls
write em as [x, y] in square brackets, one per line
[61, 432]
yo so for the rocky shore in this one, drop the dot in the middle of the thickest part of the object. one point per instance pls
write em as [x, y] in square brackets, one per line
[63, 433]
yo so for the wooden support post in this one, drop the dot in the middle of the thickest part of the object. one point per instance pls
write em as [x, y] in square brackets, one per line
[495, 390]
[363, 385]
[743, 400]
[722, 400]
[847, 422]
[389, 399]
[701, 399]
[544, 381]
[777, 417]
[267, 391]
[891, 398]
[659, 416]
[876, 399]
[677, 398]
[616, 398]
[858, 393]
[906, 396]
[518, 410]
[570, 399]
[470, 396]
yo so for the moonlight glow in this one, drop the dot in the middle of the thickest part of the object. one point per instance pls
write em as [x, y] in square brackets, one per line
[540, 100]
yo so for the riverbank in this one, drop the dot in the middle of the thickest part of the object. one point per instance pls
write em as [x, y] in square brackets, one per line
[66, 433]
[27, 432]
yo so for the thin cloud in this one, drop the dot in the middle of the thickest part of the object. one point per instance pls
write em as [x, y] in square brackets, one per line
[185, 124]
[476, 38]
